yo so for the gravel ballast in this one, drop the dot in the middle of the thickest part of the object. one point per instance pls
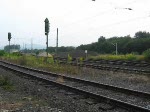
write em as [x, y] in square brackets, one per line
[139, 82]
[34, 96]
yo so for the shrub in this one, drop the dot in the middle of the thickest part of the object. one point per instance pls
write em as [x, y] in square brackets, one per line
[16, 54]
[50, 60]
[23, 60]
[114, 52]
[130, 57]
[2, 53]
[69, 58]
[135, 53]
[147, 54]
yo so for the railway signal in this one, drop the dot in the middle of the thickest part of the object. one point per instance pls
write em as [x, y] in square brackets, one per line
[9, 38]
[46, 33]
[46, 26]
[57, 43]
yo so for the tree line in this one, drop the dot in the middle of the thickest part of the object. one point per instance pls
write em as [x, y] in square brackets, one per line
[61, 49]
[7, 47]
[125, 44]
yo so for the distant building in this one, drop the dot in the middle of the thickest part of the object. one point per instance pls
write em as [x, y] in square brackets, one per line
[44, 54]
[14, 50]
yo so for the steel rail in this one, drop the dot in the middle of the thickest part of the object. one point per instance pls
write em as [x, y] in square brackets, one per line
[98, 64]
[89, 94]
[108, 67]
[96, 84]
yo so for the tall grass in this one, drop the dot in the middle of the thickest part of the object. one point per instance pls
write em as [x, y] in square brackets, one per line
[129, 57]
[49, 65]
[147, 54]
[43, 63]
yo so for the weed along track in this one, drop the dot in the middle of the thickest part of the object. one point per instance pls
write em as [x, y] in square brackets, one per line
[115, 97]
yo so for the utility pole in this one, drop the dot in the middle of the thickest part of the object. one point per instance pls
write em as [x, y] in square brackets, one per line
[25, 49]
[31, 45]
[57, 43]
[23, 46]
[14, 43]
[46, 33]
[116, 49]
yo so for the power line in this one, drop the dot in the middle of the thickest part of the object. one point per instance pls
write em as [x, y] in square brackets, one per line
[92, 17]
[117, 23]
[99, 14]
[125, 21]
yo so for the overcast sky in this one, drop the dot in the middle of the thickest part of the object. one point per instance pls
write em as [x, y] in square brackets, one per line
[79, 21]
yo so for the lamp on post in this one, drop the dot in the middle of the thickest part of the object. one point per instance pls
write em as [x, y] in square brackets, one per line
[46, 33]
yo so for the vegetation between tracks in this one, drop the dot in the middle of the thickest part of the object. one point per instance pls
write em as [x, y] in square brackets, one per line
[42, 63]
[5, 83]
[127, 57]
[48, 64]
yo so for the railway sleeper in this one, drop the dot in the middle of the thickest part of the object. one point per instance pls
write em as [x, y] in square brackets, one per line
[95, 96]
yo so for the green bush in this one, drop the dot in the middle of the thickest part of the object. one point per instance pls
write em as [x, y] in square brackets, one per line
[16, 54]
[113, 53]
[50, 60]
[69, 58]
[81, 59]
[147, 54]
[23, 60]
[130, 57]
[2, 53]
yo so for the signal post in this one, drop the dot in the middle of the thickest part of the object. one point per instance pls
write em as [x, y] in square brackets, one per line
[9, 38]
[46, 33]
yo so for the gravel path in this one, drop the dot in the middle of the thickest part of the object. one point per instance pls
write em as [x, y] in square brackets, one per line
[33, 96]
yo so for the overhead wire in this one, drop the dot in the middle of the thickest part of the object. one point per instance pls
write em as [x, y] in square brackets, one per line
[90, 17]
[111, 25]
[96, 15]
[53, 32]
[125, 21]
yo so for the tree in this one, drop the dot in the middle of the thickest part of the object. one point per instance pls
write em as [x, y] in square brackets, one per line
[61, 49]
[126, 44]
[2, 52]
[141, 34]
[101, 39]
[147, 54]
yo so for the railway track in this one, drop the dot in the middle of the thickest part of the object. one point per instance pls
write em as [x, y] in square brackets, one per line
[132, 100]
[114, 65]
